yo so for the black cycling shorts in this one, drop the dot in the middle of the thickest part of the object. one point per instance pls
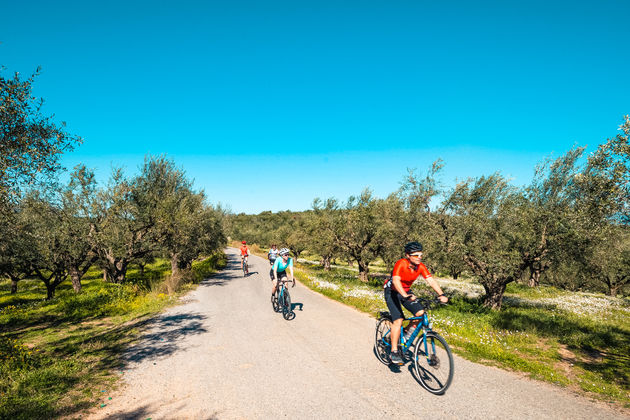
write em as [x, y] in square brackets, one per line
[281, 274]
[393, 299]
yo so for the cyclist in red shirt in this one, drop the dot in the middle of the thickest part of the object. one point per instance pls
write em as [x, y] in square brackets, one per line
[397, 292]
[244, 253]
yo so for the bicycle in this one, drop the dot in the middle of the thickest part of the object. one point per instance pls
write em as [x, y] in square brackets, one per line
[245, 267]
[281, 301]
[432, 357]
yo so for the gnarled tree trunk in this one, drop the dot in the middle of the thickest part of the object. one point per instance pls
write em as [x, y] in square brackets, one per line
[363, 271]
[75, 276]
[494, 294]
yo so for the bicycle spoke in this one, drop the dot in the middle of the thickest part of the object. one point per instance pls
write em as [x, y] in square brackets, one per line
[382, 344]
[433, 363]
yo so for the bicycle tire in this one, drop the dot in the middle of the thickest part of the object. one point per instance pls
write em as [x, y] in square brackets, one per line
[382, 346]
[286, 305]
[274, 302]
[434, 370]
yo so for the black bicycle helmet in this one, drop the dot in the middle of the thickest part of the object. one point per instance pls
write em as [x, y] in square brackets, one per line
[412, 247]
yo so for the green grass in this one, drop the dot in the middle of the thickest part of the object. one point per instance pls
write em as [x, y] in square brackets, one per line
[538, 331]
[60, 357]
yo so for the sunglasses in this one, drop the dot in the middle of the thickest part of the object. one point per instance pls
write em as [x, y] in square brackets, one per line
[416, 254]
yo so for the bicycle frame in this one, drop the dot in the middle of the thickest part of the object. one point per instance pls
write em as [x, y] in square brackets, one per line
[282, 284]
[424, 325]
[282, 287]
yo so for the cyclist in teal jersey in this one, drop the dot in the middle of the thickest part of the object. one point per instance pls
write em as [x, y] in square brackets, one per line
[280, 267]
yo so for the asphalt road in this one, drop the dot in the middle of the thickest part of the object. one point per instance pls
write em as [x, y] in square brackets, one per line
[224, 354]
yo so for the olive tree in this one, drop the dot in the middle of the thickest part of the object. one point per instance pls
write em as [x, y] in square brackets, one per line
[16, 256]
[321, 230]
[122, 229]
[485, 211]
[407, 216]
[354, 226]
[184, 225]
[48, 242]
[604, 210]
[547, 222]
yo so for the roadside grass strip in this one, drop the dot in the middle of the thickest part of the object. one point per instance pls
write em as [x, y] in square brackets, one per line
[63, 356]
[575, 340]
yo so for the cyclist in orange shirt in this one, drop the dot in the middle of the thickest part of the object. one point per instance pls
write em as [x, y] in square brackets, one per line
[397, 292]
[244, 253]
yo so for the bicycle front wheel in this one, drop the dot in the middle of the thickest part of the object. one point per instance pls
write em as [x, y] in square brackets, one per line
[382, 341]
[286, 305]
[433, 363]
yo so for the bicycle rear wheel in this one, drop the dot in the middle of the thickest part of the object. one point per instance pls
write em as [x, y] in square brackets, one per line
[433, 363]
[274, 302]
[382, 340]
[286, 305]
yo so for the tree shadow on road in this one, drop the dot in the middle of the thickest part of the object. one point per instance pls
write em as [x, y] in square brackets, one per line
[145, 412]
[165, 332]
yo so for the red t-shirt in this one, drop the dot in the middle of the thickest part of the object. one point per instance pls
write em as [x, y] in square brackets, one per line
[407, 275]
[244, 250]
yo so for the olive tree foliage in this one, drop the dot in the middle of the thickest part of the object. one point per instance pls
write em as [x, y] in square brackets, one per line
[412, 219]
[48, 244]
[393, 230]
[547, 224]
[609, 260]
[30, 143]
[606, 179]
[294, 234]
[446, 251]
[604, 210]
[354, 226]
[485, 212]
[16, 256]
[263, 228]
[122, 230]
[51, 238]
[185, 226]
[321, 227]
[76, 224]
[58, 232]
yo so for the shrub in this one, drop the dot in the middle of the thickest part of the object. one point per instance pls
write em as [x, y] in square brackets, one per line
[205, 268]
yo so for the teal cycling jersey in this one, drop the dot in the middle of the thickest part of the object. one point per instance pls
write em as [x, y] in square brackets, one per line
[280, 266]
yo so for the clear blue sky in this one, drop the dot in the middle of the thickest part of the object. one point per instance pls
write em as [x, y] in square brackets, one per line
[268, 105]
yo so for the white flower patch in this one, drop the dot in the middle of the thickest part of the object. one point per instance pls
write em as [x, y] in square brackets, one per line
[585, 304]
[471, 290]
[323, 284]
[363, 293]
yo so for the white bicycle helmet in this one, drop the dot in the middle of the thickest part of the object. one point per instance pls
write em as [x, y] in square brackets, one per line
[283, 252]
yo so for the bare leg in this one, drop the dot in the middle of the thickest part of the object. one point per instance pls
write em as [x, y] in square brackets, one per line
[413, 324]
[396, 334]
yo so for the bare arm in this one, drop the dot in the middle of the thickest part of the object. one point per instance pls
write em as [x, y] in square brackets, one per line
[435, 286]
[398, 287]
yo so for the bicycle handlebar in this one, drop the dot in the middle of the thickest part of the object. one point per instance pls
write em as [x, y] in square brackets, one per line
[286, 281]
[429, 303]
